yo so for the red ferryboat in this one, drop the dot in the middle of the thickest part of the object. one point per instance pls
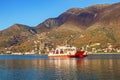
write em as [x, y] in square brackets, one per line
[67, 51]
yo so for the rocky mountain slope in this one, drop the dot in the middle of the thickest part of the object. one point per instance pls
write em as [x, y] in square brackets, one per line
[80, 27]
[15, 35]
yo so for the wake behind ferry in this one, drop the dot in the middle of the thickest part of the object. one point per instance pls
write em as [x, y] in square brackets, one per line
[67, 51]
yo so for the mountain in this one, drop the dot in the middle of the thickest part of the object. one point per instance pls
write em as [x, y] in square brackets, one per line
[15, 34]
[79, 26]
[96, 24]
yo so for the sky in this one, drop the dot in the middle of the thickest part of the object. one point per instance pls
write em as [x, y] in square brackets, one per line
[34, 12]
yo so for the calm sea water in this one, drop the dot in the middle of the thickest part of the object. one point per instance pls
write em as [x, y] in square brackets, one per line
[40, 67]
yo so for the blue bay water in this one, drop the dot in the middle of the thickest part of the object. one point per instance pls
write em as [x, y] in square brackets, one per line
[40, 67]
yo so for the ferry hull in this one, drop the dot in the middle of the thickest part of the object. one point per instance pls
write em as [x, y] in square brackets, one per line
[78, 54]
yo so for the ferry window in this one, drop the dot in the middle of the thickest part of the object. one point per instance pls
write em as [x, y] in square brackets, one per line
[61, 51]
[56, 51]
[73, 49]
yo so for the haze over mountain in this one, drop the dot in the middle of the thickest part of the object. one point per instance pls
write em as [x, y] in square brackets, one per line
[94, 24]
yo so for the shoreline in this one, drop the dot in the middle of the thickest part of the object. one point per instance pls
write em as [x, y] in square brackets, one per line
[89, 53]
[103, 53]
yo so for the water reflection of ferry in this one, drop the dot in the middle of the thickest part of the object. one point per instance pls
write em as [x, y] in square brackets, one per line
[67, 51]
[68, 64]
